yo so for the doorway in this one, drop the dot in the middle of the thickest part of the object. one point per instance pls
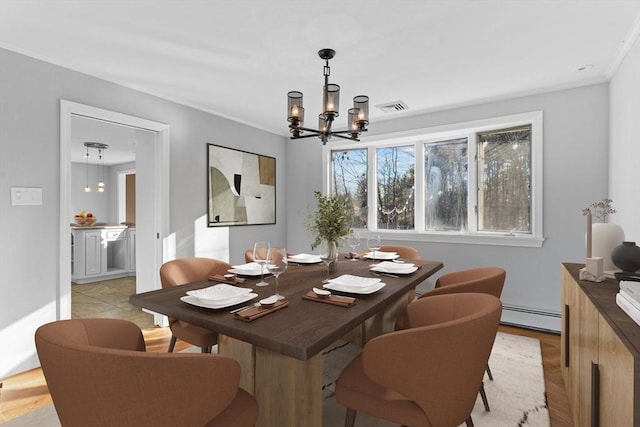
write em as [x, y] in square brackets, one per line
[152, 141]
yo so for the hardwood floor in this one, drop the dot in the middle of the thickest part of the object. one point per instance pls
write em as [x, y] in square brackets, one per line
[27, 391]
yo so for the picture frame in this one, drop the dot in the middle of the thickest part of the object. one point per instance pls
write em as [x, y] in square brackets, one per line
[241, 187]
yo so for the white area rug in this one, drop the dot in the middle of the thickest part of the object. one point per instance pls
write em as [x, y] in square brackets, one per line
[516, 396]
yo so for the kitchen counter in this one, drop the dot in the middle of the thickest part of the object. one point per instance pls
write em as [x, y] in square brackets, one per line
[99, 226]
[102, 252]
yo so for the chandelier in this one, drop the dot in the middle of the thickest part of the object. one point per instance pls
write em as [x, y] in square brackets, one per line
[357, 117]
[99, 163]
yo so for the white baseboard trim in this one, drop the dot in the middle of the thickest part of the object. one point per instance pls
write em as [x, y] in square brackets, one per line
[531, 318]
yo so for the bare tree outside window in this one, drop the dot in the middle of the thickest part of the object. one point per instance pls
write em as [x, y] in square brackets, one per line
[446, 181]
[396, 187]
[349, 179]
[477, 180]
[504, 180]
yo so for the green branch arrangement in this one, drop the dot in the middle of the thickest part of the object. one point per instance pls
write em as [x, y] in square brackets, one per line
[330, 221]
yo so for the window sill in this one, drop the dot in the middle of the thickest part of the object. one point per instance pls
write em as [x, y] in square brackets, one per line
[463, 238]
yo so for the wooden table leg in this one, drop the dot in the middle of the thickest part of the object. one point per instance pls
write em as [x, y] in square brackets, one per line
[244, 353]
[288, 390]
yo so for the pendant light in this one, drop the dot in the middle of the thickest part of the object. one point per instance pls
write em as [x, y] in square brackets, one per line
[87, 189]
[357, 117]
[99, 164]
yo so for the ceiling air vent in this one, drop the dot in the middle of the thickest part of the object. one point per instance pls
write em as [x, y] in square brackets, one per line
[393, 107]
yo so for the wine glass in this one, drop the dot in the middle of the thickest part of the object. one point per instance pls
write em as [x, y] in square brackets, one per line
[373, 243]
[260, 255]
[328, 254]
[277, 264]
[353, 241]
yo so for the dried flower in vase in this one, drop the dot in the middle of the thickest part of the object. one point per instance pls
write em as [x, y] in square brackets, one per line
[600, 210]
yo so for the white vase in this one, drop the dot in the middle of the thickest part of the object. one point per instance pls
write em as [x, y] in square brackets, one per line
[604, 239]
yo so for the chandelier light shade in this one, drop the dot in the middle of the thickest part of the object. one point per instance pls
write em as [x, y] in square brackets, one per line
[100, 164]
[357, 117]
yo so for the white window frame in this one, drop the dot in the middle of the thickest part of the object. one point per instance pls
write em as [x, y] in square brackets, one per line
[441, 133]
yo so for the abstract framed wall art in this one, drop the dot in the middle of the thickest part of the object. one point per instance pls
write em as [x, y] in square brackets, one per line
[241, 187]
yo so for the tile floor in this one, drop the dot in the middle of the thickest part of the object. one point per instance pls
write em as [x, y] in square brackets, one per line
[108, 298]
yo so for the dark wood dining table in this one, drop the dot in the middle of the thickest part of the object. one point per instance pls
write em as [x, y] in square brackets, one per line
[280, 353]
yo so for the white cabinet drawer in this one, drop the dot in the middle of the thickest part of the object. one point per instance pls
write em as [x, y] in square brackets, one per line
[113, 235]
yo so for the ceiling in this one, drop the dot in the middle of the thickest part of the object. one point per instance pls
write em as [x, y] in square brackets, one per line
[238, 59]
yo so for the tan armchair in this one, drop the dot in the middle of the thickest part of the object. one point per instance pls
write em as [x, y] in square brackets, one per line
[487, 280]
[99, 374]
[248, 254]
[179, 272]
[406, 253]
[427, 375]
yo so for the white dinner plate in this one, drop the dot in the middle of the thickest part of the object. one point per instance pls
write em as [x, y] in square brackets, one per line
[218, 293]
[362, 290]
[381, 255]
[244, 272]
[249, 269]
[394, 268]
[215, 304]
[304, 259]
[352, 281]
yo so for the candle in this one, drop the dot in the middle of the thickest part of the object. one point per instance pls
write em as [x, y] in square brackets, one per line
[589, 234]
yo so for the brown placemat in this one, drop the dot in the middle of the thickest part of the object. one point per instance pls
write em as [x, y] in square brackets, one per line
[255, 312]
[220, 278]
[331, 299]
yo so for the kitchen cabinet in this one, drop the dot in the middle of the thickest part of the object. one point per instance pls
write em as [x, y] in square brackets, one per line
[600, 353]
[102, 253]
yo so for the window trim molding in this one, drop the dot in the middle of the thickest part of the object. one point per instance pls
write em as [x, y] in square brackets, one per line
[463, 129]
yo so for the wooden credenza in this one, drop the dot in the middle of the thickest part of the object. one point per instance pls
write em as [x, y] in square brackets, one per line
[600, 353]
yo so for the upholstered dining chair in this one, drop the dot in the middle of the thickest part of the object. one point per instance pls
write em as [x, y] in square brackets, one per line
[248, 255]
[429, 374]
[488, 280]
[99, 374]
[179, 272]
[406, 253]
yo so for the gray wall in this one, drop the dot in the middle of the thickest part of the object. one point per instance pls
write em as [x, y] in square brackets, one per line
[624, 143]
[30, 93]
[575, 174]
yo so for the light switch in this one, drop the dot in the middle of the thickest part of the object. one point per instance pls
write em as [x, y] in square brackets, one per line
[26, 196]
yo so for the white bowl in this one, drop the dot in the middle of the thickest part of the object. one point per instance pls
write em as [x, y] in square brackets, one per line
[268, 302]
[322, 293]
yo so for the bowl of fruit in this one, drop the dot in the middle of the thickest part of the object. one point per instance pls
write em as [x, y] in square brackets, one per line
[85, 218]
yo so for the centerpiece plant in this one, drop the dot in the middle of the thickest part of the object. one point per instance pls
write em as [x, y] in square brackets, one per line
[330, 221]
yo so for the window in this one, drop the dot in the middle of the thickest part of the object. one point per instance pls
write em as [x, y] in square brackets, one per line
[504, 176]
[349, 179]
[395, 179]
[446, 181]
[477, 182]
